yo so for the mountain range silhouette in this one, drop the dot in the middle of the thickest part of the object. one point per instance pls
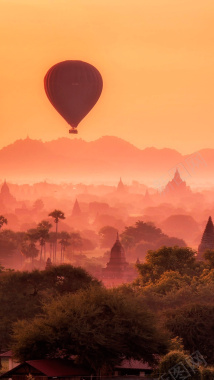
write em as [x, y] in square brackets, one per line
[101, 161]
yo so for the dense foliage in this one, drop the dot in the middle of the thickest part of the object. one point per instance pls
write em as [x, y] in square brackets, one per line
[100, 326]
[63, 311]
[22, 294]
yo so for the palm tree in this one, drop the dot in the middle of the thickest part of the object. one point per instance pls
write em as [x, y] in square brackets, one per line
[29, 246]
[52, 242]
[20, 239]
[64, 236]
[7, 243]
[56, 215]
[3, 220]
[43, 234]
[30, 250]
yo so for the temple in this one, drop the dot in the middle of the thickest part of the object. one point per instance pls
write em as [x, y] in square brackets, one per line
[76, 209]
[5, 196]
[121, 188]
[207, 241]
[117, 270]
[177, 187]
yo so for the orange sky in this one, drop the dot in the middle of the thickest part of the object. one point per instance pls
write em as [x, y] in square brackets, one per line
[156, 58]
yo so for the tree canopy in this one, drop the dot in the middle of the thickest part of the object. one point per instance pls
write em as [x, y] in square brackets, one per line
[100, 326]
[141, 237]
[3, 221]
[180, 259]
[22, 294]
[194, 323]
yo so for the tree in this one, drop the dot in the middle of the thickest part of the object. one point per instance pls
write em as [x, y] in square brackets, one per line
[143, 247]
[194, 323]
[207, 277]
[108, 236]
[30, 250]
[64, 242]
[3, 221]
[19, 299]
[56, 215]
[11, 244]
[170, 281]
[170, 242]
[22, 294]
[7, 243]
[65, 278]
[142, 231]
[99, 326]
[75, 241]
[207, 373]
[174, 360]
[209, 257]
[165, 259]
[52, 242]
[43, 235]
[29, 244]
[38, 205]
[141, 237]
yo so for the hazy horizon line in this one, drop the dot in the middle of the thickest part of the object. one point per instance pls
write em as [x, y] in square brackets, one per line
[99, 138]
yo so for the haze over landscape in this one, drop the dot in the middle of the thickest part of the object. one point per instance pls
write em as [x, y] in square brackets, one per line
[102, 161]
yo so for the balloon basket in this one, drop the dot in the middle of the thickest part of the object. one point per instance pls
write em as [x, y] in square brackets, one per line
[73, 130]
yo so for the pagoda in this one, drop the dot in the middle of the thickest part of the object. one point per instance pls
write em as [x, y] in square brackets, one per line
[117, 270]
[121, 188]
[117, 264]
[207, 241]
[177, 187]
[5, 196]
[76, 209]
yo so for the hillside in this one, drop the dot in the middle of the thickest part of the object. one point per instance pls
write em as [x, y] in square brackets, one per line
[103, 160]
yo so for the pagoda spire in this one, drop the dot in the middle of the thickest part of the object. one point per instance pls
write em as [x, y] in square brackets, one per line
[177, 187]
[117, 260]
[121, 187]
[76, 209]
[207, 241]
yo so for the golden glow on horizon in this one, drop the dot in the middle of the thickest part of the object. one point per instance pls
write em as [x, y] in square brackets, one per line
[156, 58]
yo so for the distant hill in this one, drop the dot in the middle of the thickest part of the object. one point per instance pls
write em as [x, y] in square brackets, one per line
[102, 161]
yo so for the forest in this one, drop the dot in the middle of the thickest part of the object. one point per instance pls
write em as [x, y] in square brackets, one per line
[164, 316]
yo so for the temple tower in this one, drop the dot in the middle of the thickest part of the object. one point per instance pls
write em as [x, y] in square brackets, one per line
[121, 188]
[5, 196]
[177, 187]
[76, 209]
[207, 241]
[117, 264]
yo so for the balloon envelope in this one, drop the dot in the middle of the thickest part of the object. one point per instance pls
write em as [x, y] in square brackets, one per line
[73, 88]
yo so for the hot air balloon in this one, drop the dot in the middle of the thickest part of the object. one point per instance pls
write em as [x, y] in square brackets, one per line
[73, 88]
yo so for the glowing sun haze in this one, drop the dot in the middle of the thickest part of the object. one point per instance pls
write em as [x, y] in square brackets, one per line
[156, 59]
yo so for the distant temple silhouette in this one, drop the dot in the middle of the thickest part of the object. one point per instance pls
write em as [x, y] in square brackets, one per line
[117, 263]
[76, 209]
[5, 196]
[207, 241]
[121, 188]
[177, 187]
[117, 269]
